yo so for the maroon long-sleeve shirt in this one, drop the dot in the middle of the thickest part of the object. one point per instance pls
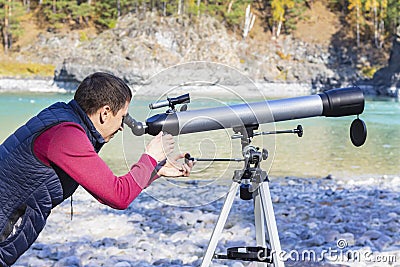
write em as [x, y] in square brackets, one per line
[67, 146]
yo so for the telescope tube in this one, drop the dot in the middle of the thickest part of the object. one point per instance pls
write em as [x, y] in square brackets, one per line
[333, 103]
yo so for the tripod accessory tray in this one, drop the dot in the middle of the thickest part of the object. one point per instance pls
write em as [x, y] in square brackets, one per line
[259, 254]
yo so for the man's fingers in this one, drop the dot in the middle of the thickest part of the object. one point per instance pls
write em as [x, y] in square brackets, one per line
[186, 170]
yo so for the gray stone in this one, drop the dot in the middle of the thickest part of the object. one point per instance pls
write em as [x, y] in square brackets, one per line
[371, 235]
[71, 261]
[123, 264]
[348, 238]
[316, 240]
[44, 252]
[329, 235]
[383, 242]
[355, 227]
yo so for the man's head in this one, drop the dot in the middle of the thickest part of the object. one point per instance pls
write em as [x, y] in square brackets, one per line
[105, 99]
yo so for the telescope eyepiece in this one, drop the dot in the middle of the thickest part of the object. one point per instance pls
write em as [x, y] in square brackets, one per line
[136, 126]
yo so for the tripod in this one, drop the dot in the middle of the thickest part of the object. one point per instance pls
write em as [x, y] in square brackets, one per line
[253, 183]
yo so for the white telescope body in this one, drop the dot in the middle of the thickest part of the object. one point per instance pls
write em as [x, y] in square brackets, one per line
[333, 103]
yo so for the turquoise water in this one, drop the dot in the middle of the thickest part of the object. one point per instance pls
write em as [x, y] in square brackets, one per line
[324, 149]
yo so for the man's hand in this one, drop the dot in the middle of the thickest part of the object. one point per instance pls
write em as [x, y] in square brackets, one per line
[172, 168]
[160, 147]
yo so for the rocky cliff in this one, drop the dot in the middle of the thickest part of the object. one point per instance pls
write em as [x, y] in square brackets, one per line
[138, 48]
[386, 81]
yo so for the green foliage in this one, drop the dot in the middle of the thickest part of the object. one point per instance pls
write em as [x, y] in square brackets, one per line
[81, 13]
[191, 8]
[237, 14]
[392, 19]
[294, 14]
[106, 12]
[59, 12]
[10, 12]
[83, 37]
[15, 19]
[55, 12]
[369, 71]
[283, 13]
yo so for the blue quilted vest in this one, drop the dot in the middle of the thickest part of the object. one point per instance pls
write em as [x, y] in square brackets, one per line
[28, 188]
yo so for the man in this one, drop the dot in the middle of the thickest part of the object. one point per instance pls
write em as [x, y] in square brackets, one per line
[46, 159]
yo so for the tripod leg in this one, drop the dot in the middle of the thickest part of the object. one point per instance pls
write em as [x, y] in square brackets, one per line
[271, 223]
[259, 223]
[223, 216]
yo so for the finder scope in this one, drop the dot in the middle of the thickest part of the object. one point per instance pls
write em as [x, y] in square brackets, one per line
[171, 102]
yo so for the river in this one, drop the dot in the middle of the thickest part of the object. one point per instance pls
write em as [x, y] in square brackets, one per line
[325, 148]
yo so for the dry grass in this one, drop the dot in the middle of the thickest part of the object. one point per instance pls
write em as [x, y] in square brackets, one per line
[319, 26]
[12, 68]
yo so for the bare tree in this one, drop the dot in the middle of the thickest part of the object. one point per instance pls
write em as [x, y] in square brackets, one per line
[7, 12]
[249, 22]
[179, 7]
[118, 8]
[54, 6]
[356, 4]
[198, 8]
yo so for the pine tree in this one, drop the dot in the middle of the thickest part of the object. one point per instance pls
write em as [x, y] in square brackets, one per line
[10, 14]
[81, 13]
[5, 16]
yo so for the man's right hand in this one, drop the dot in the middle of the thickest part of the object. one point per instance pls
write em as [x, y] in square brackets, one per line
[160, 146]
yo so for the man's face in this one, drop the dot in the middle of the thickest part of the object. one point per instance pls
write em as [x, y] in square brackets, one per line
[107, 123]
[116, 123]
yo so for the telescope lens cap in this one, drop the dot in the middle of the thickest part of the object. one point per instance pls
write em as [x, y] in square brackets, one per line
[358, 132]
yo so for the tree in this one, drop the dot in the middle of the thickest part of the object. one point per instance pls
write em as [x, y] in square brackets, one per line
[355, 11]
[278, 14]
[249, 22]
[392, 19]
[81, 13]
[56, 13]
[6, 25]
[10, 13]
[378, 11]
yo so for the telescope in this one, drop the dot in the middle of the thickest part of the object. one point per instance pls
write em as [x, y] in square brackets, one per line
[332, 103]
[252, 180]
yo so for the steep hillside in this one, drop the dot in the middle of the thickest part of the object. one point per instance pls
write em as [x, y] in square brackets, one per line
[319, 52]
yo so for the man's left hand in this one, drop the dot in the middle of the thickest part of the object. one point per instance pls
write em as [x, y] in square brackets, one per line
[173, 168]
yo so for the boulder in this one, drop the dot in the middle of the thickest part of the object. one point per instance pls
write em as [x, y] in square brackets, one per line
[386, 81]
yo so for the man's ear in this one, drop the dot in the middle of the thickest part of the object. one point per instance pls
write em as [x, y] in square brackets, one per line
[105, 113]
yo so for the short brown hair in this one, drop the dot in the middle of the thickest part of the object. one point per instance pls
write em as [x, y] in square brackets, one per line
[100, 89]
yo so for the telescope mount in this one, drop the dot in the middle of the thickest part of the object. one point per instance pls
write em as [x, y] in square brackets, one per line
[254, 184]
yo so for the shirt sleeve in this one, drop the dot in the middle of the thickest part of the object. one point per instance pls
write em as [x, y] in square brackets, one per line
[70, 149]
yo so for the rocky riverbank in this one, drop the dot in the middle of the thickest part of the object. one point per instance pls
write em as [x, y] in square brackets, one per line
[31, 85]
[321, 222]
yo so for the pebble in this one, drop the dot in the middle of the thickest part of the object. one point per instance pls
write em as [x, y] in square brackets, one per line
[311, 214]
[71, 261]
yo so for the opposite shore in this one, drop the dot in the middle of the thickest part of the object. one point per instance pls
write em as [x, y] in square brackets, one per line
[267, 89]
[135, 53]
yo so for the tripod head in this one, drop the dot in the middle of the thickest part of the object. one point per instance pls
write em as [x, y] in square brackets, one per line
[251, 176]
